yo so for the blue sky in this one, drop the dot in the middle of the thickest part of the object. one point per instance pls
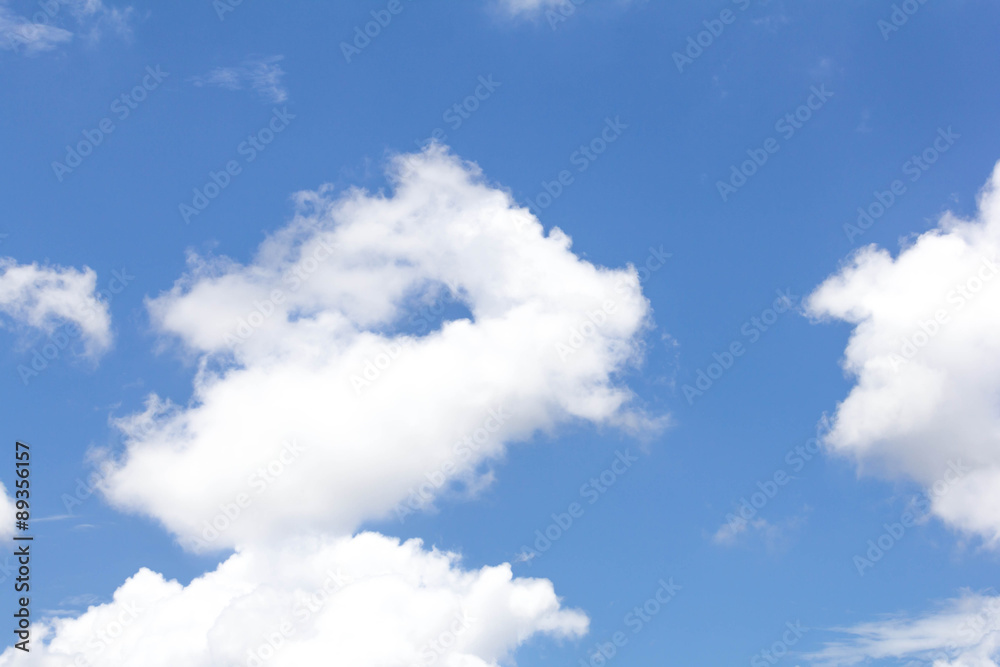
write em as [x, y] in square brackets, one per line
[230, 110]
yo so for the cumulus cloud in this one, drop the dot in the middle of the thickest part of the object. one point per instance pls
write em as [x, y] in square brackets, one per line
[362, 601]
[57, 21]
[44, 297]
[926, 358]
[263, 76]
[317, 407]
[320, 403]
[965, 632]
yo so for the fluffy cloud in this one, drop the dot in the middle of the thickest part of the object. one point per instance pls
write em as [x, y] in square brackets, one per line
[263, 76]
[361, 601]
[43, 297]
[316, 410]
[964, 633]
[320, 403]
[925, 353]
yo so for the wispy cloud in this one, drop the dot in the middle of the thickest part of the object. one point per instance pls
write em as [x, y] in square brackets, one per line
[773, 536]
[58, 23]
[529, 6]
[963, 632]
[20, 34]
[263, 76]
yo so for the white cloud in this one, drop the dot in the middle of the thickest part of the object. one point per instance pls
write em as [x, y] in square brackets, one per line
[964, 633]
[288, 419]
[303, 430]
[926, 357]
[773, 536]
[530, 6]
[17, 32]
[365, 601]
[7, 511]
[57, 21]
[555, 10]
[96, 18]
[43, 297]
[263, 76]
[730, 532]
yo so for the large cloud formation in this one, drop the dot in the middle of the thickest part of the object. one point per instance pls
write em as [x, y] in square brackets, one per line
[366, 601]
[44, 297]
[314, 406]
[322, 402]
[926, 354]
